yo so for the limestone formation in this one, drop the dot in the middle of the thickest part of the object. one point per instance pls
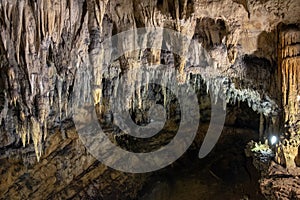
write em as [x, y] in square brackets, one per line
[249, 47]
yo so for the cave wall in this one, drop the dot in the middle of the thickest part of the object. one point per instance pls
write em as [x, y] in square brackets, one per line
[280, 179]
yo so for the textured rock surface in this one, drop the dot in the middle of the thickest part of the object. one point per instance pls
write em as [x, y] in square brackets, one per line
[281, 183]
[45, 44]
[65, 171]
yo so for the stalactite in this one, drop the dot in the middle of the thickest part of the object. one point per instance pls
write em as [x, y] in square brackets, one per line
[221, 87]
[261, 126]
[59, 86]
[32, 35]
[23, 134]
[36, 135]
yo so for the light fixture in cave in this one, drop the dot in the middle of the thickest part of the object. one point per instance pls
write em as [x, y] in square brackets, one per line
[273, 139]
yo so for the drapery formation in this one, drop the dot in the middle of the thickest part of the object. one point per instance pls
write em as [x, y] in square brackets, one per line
[289, 64]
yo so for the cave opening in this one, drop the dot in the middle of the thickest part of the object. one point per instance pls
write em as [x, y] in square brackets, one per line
[225, 173]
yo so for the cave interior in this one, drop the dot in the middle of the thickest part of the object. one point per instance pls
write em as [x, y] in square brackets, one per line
[222, 73]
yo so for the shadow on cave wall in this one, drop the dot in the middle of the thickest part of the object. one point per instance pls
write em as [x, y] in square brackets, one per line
[261, 66]
[185, 8]
[210, 32]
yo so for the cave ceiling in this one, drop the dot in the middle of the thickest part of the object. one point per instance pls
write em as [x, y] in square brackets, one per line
[44, 44]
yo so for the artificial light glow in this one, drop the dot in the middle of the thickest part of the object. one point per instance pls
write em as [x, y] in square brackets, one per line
[273, 139]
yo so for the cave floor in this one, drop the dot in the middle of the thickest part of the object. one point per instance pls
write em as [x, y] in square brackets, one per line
[225, 173]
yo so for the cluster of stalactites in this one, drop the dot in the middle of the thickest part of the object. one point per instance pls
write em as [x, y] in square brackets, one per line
[29, 118]
[129, 91]
[290, 71]
[43, 42]
[224, 88]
